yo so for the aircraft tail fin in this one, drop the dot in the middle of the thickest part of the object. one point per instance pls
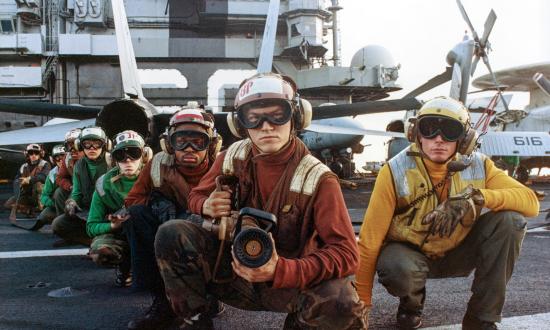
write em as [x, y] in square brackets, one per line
[127, 58]
[265, 62]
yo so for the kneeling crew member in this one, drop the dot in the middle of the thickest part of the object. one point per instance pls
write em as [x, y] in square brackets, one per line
[423, 219]
[47, 197]
[107, 213]
[160, 194]
[314, 251]
[71, 226]
[29, 182]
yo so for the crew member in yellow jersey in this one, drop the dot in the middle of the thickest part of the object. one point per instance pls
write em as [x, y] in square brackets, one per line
[423, 219]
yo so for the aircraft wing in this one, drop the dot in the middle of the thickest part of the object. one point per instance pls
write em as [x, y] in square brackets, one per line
[321, 128]
[362, 108]
[515, 143]
[47, 109]
[42, 134]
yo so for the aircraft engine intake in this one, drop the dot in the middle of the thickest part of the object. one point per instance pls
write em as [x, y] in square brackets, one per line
[125, 114]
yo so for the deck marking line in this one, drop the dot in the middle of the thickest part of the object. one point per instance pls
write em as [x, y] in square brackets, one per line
[43, 253]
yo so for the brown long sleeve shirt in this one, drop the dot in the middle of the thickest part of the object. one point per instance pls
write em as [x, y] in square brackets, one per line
[338, 257]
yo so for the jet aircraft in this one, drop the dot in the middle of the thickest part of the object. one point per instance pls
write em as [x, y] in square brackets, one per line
[334, 139]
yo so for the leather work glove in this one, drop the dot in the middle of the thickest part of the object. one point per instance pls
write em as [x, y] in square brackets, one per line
[71, 207]
[463, 208]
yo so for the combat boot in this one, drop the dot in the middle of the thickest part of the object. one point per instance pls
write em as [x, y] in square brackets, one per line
[123, 277]
[470, 322]
[408, 319]
[159, 316]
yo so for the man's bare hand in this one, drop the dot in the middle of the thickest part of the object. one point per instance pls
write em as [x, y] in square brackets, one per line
[264, 273]
[25, 180]
[117, 220]
[218, 204]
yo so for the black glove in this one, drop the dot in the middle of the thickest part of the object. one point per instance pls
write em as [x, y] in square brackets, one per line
[71, 207]
[463, 208]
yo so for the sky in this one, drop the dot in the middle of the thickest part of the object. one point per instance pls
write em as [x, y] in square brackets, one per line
[419, 33]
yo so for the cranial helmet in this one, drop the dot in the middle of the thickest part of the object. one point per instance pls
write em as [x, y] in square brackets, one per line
[72, 135]
[267, 87]
[34, 147]
[57, 150]
[449, 108]
[131, 139]
[127, 139]
[192, 114]
[93, 133]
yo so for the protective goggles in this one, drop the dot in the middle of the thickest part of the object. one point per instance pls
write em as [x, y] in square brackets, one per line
[89, 144]
[33, 152]
[181, 140]
[251, 116]
[431, 126]
[132, 153]
[57, 158]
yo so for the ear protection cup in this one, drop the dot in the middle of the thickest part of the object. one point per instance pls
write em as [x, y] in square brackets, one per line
[214, 148]
[109, 160]
[234, 126]
[77, 146]
[306, 114]
[410, 129]
[165, 144]
[469, 142]
[147, 155]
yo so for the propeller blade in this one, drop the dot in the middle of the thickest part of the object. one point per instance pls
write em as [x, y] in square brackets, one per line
[474, 65]
[542, 82]
[320, 128]
[467, 19]
[362, 108]
[495, 82]
[432, 83]
[488, 27]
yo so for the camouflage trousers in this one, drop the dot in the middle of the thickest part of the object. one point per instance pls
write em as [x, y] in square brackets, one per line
[27, 199]
[72, 228]
[186, 255]
[110, 250]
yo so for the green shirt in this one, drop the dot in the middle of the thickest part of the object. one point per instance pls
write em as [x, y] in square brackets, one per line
[46, 198]
[107, 199]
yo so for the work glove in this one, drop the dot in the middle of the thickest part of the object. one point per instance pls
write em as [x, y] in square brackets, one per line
[463, 208]
[71, 207]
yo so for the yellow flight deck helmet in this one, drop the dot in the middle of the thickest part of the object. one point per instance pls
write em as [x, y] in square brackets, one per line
[438, 109]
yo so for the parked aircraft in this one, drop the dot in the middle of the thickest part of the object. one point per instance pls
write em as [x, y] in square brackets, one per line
[462, 59]
[529, 127]
[331, 137]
